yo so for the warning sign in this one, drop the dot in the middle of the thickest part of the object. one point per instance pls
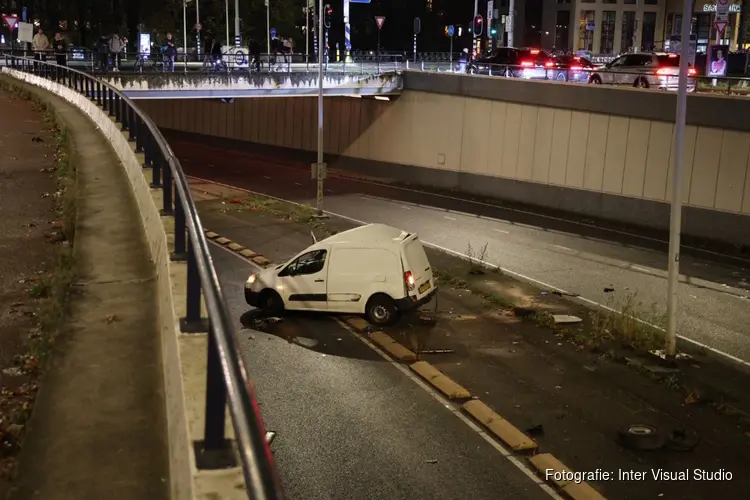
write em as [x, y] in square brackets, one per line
[10, 20]
[380, 20]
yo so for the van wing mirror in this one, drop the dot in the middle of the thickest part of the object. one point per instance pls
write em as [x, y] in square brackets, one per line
[315, 240]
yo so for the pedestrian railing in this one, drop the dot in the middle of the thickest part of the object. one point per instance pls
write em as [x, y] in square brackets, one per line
[226, 378]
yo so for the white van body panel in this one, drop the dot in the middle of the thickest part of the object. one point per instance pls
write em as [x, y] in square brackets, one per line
[358, 263]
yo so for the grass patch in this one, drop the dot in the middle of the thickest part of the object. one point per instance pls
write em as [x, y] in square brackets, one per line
[635, 326]
[303, 214]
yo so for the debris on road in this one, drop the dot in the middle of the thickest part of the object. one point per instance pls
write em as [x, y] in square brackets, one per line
[431, 461]
[564, 319]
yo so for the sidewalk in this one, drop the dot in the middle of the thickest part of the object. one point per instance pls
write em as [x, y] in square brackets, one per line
[98, 428]
[571, 391]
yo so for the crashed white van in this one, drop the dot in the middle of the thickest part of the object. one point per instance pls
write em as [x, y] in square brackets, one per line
[375, 270]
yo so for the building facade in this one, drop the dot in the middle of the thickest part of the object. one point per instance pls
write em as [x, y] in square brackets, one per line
[603, 26]
[610, 27]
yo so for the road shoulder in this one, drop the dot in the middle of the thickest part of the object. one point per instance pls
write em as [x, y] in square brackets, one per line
[569, 396]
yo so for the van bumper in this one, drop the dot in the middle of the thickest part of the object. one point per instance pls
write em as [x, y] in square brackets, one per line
[252, 298]
[410, 303]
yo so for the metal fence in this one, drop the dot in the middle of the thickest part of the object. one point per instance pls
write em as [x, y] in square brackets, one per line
[226, 374]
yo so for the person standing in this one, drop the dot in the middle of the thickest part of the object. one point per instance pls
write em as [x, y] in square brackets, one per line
[116, 45]
[40, 45]
[170, 52]
[60, 48]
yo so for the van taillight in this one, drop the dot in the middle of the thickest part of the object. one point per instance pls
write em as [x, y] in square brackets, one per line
[409, 280]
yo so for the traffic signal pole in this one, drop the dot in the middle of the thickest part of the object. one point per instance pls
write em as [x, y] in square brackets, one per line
[512, 22]
[476, 38]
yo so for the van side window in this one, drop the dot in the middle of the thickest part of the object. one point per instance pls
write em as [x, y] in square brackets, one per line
[309, 263]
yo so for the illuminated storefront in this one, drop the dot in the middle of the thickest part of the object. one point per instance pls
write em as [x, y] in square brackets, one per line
[703, 24]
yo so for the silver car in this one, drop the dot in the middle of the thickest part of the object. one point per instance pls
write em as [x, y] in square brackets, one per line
[644, 70]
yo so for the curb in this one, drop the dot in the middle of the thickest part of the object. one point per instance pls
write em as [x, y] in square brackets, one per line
[545, 463]
[257, 258]
[490, 421]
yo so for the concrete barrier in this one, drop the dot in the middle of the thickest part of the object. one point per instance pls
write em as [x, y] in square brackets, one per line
[183, 356]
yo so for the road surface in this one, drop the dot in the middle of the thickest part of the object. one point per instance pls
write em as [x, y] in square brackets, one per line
[714, 308]
[350, 424]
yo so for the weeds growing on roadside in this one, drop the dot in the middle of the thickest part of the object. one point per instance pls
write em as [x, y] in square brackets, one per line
[634, 325]
[477, 259]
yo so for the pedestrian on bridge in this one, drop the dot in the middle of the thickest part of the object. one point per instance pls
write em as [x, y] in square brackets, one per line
[40, 45]
[60, 48]
[170, 52]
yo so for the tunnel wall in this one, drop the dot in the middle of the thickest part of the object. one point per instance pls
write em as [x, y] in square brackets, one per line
[534, 143]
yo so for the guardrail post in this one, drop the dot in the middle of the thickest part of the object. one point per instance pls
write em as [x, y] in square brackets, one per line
[139, 145]
[215, 452]
[98, 93]
[118, 117]
[156, 159]
[110, 102]
[146, 147]
[132, 125]
[166, 188]
[124, 118]
[180, 229]
[193, 322]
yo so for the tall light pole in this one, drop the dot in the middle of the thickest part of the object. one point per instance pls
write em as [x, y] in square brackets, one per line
[511, 21]
[184, 34]
[675, 222]
[198, 28]
[320, 167]
[226, 6]
[307, 31]
[474, 35]
[237, 37]
[268, 28]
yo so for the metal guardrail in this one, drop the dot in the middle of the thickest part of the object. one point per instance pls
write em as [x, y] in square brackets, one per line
[226, 377]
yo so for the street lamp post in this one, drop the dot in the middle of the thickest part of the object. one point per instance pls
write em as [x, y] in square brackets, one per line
[226, 6]
[268, 28]
[198, 29]
[184, 34]
[319, 168]
[237, 36]
[675, 222]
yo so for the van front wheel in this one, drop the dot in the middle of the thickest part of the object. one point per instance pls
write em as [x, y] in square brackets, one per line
[381, 310]
[271, 303]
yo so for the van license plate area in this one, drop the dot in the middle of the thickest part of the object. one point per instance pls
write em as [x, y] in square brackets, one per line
[425, 286]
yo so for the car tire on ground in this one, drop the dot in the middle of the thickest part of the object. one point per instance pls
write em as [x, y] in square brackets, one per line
[381, 310]
[643, 437]
[271, 303]
[595, 79]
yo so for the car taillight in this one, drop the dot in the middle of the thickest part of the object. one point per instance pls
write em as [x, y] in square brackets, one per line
[662, 71]
[549, 64]
[409, 280]
[692, 72]
[576, 68]
[527, 64]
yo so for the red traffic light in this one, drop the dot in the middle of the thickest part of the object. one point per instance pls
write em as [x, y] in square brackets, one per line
[329, 11]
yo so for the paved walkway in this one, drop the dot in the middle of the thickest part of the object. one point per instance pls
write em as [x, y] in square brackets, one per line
[98, 429]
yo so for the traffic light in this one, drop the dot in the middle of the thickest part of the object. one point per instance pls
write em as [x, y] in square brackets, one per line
[327, 16]
[493, 32]
[478, 26]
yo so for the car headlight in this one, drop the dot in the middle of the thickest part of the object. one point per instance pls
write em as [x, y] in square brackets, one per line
[251, 279]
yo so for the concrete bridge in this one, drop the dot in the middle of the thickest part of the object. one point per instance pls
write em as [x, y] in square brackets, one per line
[235, 85]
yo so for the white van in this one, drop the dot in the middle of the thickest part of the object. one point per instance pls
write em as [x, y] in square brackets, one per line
[375, 270]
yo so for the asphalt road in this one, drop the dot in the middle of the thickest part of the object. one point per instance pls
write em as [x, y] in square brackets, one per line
[351, 425]
[714, 309]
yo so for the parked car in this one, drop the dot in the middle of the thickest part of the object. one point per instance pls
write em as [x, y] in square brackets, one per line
[570, 69]
[525, 63]
[375, 270]
[644, 70]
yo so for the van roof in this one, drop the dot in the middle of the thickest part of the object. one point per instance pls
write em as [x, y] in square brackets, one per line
[370, 233]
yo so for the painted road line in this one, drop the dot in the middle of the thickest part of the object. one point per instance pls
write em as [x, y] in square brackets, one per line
[445, 403]
[449, 218]
[557, 473]
[440, 381]
[501, 231]
[518, 275]
[563, 248]
[500, 427]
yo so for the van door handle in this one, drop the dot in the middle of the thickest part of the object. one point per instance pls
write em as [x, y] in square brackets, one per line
[319, 281]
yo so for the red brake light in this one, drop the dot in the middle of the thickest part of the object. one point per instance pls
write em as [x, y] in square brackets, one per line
[662, 71]
[576, 68]
[549, 64]
[672, 55]
[692, 72]
[534, 51]
[409, 280]
[527, 64]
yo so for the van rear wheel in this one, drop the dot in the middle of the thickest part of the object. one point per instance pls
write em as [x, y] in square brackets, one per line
[381, 310]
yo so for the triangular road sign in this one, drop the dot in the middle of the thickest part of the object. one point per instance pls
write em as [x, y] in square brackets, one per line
[10, 20]
[720, 27]
[380, 20]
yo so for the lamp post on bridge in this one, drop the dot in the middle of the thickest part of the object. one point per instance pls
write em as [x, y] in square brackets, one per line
[319, 169]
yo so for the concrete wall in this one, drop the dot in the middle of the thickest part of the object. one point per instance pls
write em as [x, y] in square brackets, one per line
[610, 158]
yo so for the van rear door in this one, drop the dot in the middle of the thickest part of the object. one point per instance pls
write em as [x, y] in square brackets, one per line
[418, 266]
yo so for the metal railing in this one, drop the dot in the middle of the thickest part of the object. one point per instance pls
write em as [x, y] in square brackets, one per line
[226, 377]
